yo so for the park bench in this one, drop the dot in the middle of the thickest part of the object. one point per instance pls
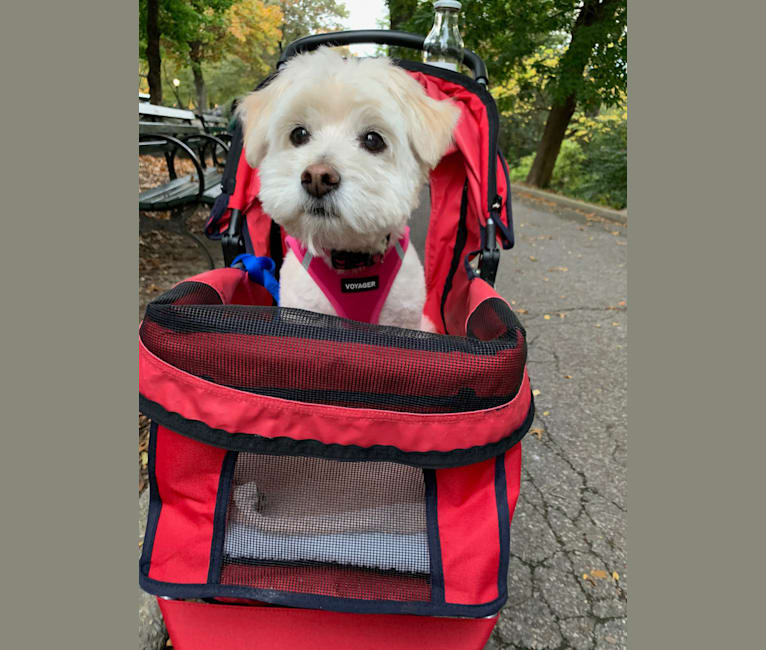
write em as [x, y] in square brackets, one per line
[181, 195]
[214, 124]
[163, 120]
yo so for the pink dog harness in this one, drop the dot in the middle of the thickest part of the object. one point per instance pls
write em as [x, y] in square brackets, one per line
[357, 293]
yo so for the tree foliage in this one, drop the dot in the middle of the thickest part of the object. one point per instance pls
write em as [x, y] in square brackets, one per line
[592, 162]
[253, 34]
[212, 38]
[305, 17]
[506, 33]
[586, 68]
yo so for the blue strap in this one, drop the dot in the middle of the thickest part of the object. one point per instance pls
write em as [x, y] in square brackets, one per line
[261, 271]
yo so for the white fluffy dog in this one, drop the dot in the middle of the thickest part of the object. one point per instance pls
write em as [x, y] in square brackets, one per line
[343, 147]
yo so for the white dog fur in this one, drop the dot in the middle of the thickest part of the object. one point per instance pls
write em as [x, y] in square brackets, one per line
[338, 101]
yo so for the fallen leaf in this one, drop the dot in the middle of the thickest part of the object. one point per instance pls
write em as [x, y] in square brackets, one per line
[563, 269]
[598, 324]
[567, 376]
[513, 302]
[599, 574]
[562, 314]
[536, 392]
[621, 303]
[546, 412]
[615, 324]
[144, 458]
[615, 575]
[615, 232]
[523, 311]
[547, 317]
[532, 258]
[536, 432]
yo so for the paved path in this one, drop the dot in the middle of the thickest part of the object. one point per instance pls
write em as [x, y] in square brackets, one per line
[570, 517]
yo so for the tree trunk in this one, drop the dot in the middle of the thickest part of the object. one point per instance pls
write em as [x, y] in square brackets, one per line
[592, 11]
[550, 144]
[154, 76]
[199, 80]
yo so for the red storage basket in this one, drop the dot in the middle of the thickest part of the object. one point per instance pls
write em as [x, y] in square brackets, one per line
[353, 474]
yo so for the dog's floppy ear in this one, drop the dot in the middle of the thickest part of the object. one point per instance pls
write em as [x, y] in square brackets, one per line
[430, 122]
[252, 112]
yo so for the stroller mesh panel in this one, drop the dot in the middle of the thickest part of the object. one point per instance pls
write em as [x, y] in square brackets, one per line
[308, 357]
[493, 320]
[324, 527]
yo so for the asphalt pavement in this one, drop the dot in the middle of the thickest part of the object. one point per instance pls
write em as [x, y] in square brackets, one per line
[568, 575]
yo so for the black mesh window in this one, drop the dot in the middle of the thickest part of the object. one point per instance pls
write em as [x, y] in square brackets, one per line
[329, 528]
[307, 357]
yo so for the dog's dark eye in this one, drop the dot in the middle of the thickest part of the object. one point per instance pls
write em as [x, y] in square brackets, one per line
[299, 136]
[373, 142]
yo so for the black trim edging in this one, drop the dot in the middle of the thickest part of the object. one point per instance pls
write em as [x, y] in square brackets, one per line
[155, 503]
[504, 524]
[434, 544]
[219, 517]
[283, 446]
[461, 237]
[313, 601]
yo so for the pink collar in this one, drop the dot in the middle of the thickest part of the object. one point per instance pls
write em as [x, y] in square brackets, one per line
[359, 293]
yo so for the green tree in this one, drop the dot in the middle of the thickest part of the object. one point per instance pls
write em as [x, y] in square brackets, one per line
[162, 24]
[591, 39]
[592, 71]
[304, 17]
[253, 35]
[200, 27]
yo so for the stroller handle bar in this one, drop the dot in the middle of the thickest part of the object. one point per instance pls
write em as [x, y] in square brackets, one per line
[382, 37]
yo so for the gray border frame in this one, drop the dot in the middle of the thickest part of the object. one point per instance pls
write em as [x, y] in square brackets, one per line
[69, 329]
[70, 252]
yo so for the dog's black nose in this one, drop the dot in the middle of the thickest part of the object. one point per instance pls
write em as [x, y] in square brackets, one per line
[320, 179]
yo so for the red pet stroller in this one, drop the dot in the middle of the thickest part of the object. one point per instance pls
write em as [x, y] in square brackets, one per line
[318, 482]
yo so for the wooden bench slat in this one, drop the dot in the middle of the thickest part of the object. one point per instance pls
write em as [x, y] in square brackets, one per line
[179, 191]
[212, 176]
[211, 194]
[165, 197]
[162, 128]
[145, 108]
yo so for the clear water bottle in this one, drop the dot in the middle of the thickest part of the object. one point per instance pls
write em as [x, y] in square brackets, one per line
[443, 46]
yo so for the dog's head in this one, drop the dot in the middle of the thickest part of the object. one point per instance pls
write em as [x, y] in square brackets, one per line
[343, 148]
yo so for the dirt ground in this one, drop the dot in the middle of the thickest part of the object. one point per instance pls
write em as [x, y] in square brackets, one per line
[164, 259]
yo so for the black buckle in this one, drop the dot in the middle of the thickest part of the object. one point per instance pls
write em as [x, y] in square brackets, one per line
[490, 254]
[232, 242]
[346, 260]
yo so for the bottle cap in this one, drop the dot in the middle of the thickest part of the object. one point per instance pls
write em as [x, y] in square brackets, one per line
[449, 4]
